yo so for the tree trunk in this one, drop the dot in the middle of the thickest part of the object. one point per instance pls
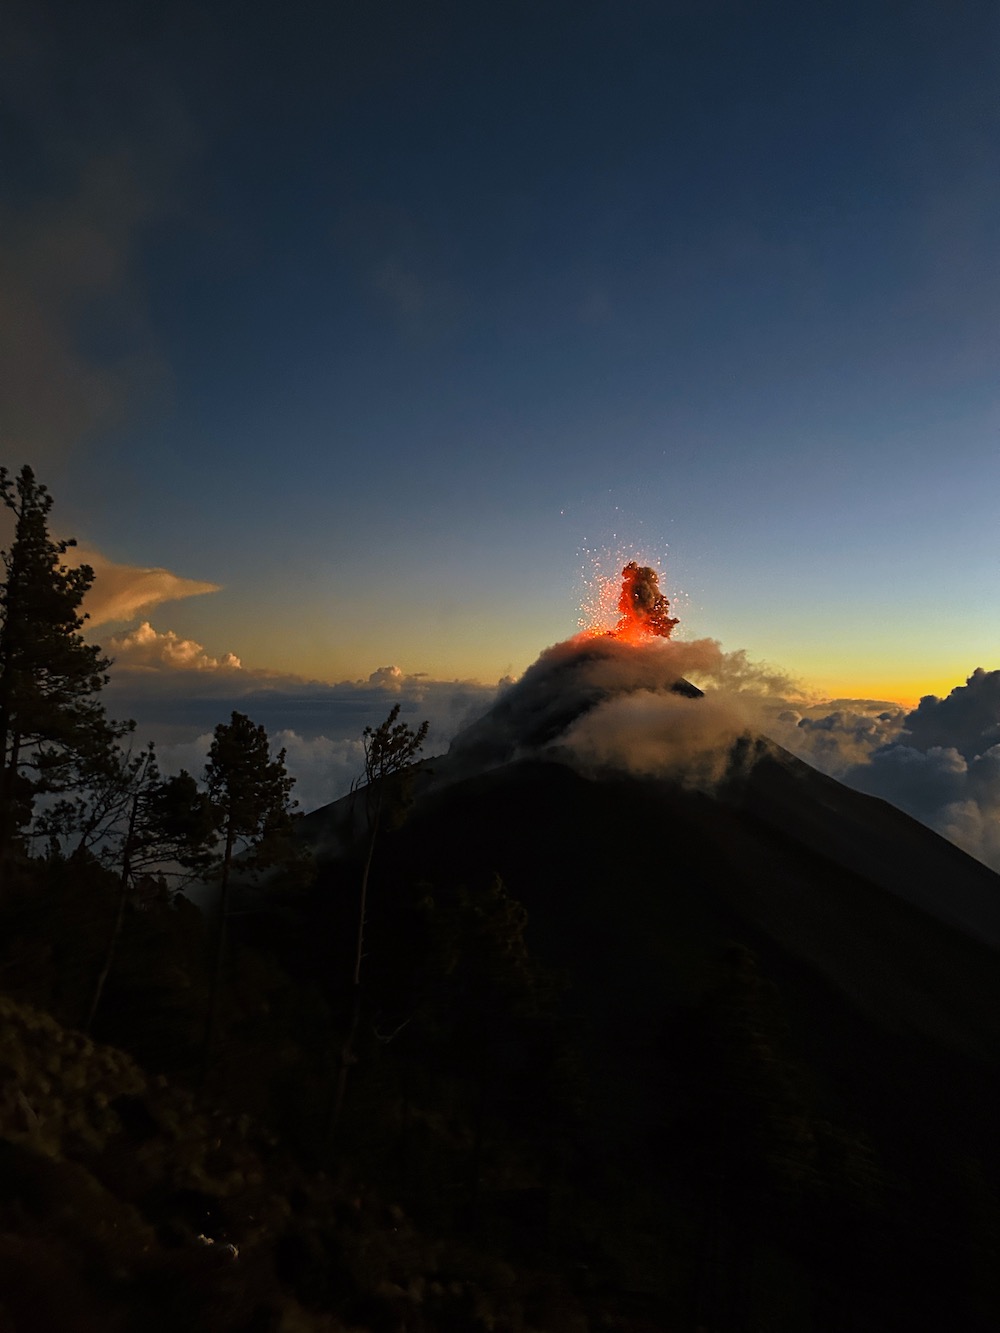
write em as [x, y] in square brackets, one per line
[212, 1026]
[8, 791]
[347, 1049]
[123, 884]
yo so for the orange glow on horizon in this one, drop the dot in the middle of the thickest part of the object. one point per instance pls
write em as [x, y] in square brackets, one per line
[905, 693]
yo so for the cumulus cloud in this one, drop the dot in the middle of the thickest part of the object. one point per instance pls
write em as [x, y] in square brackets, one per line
[178, 692]
[389, 677]
[323, 768]
[924, 782]
[943, 766]
[147, 647]
[939, 762]
[120, 592]
[968, 718]
[597, 702]
[834, 735]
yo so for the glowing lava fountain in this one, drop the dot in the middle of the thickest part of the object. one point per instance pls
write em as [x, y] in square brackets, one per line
[643, 611]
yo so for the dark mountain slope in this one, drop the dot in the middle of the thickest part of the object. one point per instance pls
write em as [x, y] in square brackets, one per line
[617, 870]
[871, 838]
[636, 890]
[784, 996]
[842, 880]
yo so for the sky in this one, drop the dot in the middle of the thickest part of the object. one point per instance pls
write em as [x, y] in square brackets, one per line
[351, 339]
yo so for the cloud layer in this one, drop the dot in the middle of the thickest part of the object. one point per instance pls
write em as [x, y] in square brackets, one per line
[943, 767]
[940, 762]
[178, 692]
[597, 701]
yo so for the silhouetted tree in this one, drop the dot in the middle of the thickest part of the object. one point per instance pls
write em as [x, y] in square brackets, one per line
[52, 723]
[252, 808]
[90, 821]
[390, 750]
[145, 824]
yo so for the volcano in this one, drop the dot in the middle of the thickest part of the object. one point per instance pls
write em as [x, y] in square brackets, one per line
[891, 915]
[673, 864]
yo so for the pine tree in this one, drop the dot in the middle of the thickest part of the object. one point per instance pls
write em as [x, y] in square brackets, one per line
[132, 820]
[52, 722]
[251, 797]
[391, 750]
[140, 823]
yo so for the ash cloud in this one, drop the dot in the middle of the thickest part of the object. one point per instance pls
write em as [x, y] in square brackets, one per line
[658, 734]
[57, 262]
[602, 702]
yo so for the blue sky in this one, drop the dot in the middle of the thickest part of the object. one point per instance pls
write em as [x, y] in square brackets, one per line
[381, 318]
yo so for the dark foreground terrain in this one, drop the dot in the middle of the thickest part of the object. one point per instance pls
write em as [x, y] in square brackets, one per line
[626, 1056]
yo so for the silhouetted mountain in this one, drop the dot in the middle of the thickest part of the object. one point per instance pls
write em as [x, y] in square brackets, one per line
[879, 936]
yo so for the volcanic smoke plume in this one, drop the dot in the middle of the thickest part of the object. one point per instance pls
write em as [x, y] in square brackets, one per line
[543, 712]
[644, 609]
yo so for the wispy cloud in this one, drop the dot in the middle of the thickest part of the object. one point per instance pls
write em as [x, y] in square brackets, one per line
[121, 592]
[57, 260]
[70, 259]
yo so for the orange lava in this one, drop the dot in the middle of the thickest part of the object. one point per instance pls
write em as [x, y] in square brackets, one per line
[643, 611]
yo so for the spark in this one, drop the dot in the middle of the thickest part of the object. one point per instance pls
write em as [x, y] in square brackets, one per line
[628, 604]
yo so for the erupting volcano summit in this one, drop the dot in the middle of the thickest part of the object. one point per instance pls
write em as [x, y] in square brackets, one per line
[644, 609]
[631, 609]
